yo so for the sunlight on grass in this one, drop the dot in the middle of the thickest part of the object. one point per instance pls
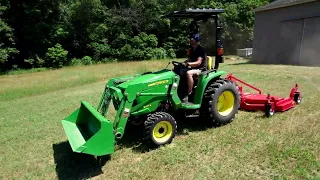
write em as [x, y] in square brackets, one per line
[34, 145]
[24, 85]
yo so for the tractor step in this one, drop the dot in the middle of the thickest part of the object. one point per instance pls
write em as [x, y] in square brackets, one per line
[193, 116]
[190, 105]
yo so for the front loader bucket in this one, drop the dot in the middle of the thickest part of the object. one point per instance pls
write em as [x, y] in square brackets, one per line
[89, 132]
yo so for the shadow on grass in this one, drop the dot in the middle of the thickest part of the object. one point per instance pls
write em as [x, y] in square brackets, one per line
[250, 62]
[241, 63]
[70, 165]
[259, 114]
[133, 137]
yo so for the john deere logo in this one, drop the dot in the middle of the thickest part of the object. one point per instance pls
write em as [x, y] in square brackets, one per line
[147, 106]
[158, 83]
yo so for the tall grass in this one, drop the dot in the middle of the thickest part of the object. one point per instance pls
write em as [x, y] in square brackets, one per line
[18, 86]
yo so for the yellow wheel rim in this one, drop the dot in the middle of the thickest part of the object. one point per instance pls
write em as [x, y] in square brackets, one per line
[162, 131]
[225, 103]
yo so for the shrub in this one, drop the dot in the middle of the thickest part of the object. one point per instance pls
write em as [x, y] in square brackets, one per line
[125, 52]
[86, 60]
[36, 61]
[101, 51]
[56, 56]
[5, 53]
[75, 62]
[144, 40]
[148, 53]
[171, 54]
[137, 54]
[159, 53]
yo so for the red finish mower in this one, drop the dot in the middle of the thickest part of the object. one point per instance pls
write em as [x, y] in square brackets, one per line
[267, 103]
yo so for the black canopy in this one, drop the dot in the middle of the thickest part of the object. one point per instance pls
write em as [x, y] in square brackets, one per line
[198, 14]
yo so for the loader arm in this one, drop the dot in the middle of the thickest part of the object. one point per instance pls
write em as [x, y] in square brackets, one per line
[150, 99]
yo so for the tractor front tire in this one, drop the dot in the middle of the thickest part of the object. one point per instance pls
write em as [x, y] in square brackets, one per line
[160, 128]
[222, 101]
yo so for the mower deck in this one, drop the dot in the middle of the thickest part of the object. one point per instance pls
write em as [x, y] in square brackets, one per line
[252, 101]
[267, 103]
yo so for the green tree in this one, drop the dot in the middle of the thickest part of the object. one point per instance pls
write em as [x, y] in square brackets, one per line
[56, 56]
[7, 39]
[55, 33]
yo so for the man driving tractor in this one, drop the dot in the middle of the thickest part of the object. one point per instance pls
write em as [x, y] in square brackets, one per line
[196, 62]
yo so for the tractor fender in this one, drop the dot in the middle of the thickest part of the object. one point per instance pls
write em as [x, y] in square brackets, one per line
[204, 79]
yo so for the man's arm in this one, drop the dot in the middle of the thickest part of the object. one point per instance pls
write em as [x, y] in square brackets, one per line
[201, 57]
[197, 63]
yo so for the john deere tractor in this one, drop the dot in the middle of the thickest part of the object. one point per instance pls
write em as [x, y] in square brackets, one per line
[152, 98]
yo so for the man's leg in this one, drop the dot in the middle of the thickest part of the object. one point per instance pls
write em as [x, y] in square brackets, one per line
[190, 81]
[190, 74]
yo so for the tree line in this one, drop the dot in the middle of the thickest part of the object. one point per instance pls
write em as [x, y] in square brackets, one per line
[57, 33]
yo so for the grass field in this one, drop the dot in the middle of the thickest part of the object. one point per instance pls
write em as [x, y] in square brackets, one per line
[33, 144]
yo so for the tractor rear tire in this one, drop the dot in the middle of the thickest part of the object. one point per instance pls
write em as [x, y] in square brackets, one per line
[160, 128]
[221, 102]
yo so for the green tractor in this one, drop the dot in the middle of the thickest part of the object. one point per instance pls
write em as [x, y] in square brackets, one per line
[152, 99]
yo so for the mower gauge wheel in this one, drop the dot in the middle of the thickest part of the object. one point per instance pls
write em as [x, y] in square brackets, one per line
[297, 98]
[299, 101]
[269, 111]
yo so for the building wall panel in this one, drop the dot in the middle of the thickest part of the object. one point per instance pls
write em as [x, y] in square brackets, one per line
[278, 35]
[310, 51]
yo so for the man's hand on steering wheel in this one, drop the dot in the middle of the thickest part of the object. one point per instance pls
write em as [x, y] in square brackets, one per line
[176, 63]
[184, 64]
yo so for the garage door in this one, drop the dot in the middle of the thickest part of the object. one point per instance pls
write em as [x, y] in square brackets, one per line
[290, 41]
[310, 49]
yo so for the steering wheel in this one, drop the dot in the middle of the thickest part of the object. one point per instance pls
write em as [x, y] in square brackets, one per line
[176, 63]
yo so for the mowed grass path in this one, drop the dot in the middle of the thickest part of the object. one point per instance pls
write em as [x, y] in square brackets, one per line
[33, 143]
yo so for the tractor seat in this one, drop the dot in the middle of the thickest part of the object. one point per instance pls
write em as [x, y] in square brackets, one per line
[209, 67]
[209, 62]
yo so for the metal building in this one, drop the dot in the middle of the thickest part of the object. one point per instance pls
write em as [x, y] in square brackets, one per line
[287, 32]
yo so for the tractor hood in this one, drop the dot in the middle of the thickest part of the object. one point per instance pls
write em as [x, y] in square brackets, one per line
[148, 78]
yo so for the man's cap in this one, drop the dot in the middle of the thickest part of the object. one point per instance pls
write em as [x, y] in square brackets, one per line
[195, 36]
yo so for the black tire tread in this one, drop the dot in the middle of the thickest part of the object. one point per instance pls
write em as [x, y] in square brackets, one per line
[212, 88]
[152, 119]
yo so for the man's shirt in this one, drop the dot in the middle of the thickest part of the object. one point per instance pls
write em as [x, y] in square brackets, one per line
[196, 53]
